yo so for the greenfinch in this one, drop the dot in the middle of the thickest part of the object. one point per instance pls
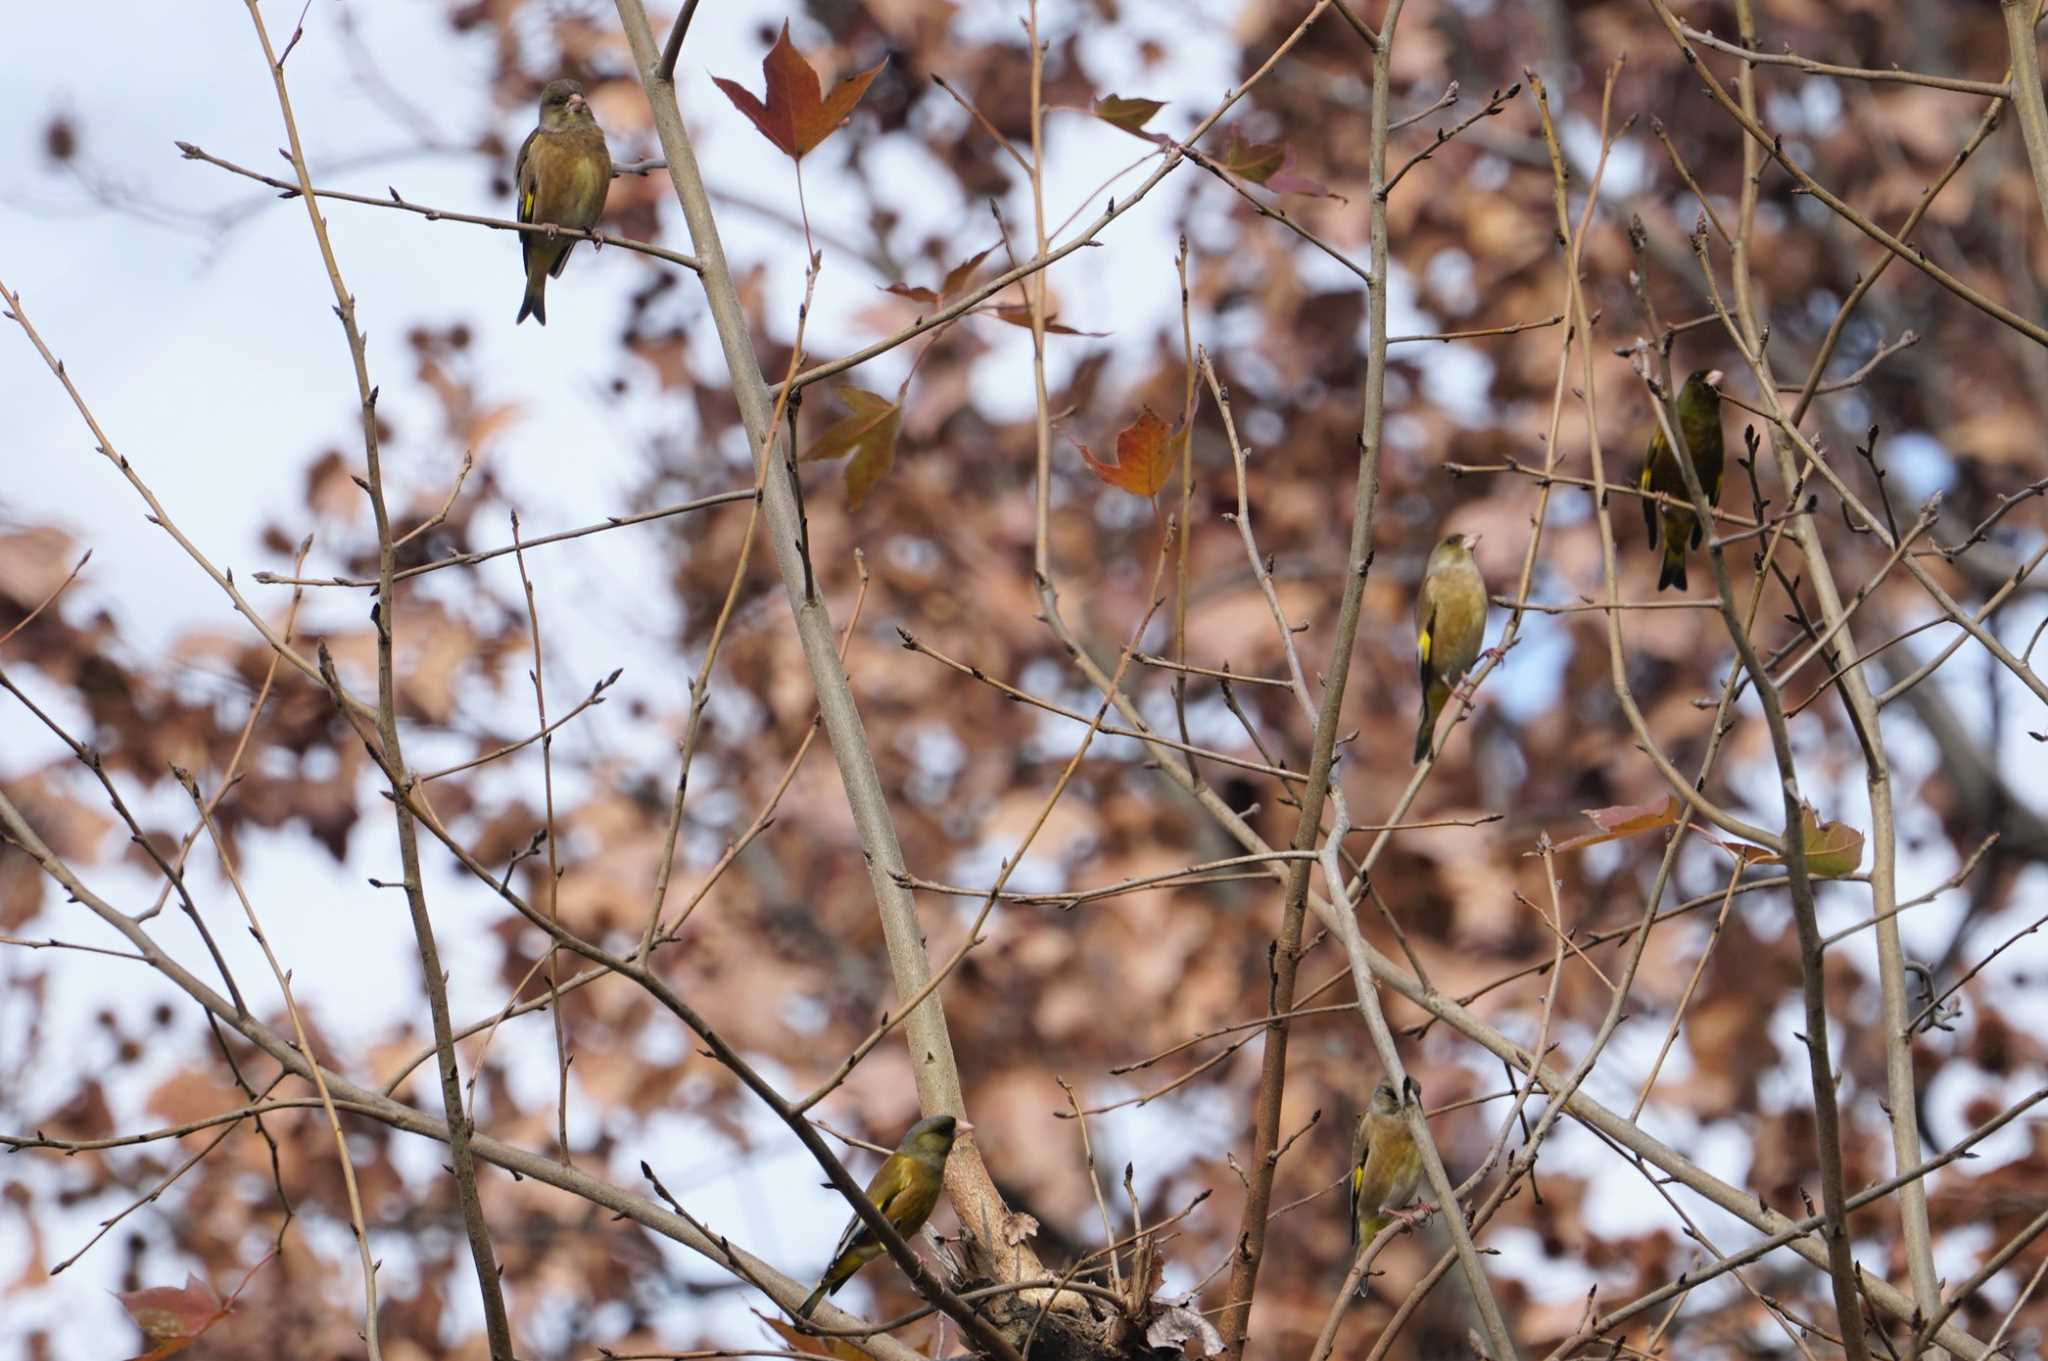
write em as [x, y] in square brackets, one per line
[563, 173]
[1385, 1167]
[905, 1188]
[1450, 621]
[1699, 418]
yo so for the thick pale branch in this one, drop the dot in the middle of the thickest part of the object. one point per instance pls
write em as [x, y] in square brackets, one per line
[2026, 91]
[973, 1194]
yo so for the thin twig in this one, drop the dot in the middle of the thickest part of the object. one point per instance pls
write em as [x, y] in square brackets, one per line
[47, 600]
[672, 50]
[290, 190]
[1884, 75]
[284, 985]
[724, 498]
[497, 1326]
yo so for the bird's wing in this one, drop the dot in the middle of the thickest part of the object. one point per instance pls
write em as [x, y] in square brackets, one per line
[523, 177]
[1648, 483]
[885, 1185]
[891, 1184]
[523, 180]
[1361, 1145]
[847, 1238]
[1425, 625]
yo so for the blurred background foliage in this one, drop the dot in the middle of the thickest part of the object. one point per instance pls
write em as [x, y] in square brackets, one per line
[784, 952]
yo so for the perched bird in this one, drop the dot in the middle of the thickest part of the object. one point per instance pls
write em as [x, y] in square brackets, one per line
[1450, 620]
[563, 173]
[1385, 1166]
[1699, 420]
[905, 1188]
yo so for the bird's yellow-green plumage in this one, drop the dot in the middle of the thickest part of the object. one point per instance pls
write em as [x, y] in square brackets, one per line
[1386, 1165]
[1450, 621]
[1699, 420]
[904, 1189]
[562, 176]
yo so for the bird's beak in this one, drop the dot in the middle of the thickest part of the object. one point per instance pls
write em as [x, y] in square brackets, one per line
[578, 104]
[961, 1127]
[1714, 377]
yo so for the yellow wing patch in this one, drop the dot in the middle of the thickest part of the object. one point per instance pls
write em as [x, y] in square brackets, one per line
[526, 205]
[1422, 646]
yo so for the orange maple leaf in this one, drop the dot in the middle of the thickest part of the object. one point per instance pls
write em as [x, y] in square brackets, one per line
[1146, 455]
[796, 115]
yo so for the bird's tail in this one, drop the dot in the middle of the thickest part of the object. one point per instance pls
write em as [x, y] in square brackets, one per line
[804, 1310]
[1673, 573]
[1368, 1229]
[1433, 697]
[535, 303]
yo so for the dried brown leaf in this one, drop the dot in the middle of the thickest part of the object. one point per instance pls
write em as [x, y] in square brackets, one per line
[838, 1347]
[173, 1318]
[957, 280]
[1129, 114]
[1270, 164]
[1017, 314]
[869, 432]
[1624, 820]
